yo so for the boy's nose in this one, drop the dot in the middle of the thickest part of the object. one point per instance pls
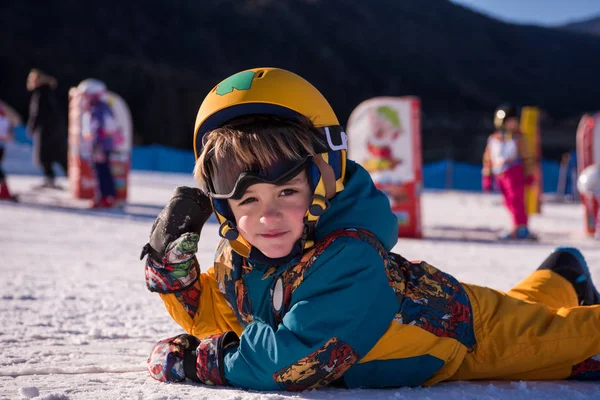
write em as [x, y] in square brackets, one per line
[270, 214]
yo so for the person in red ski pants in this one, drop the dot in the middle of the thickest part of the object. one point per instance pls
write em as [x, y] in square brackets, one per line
[505, 160]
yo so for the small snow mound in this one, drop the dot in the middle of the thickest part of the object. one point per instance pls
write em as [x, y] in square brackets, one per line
[28, 392]
[95, 333]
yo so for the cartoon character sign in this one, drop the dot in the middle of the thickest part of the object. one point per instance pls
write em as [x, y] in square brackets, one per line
[385, 138]
[81, 174]
[588, 153]
[387, 128]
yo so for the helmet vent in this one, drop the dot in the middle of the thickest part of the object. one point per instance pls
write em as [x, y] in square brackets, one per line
[260, 74]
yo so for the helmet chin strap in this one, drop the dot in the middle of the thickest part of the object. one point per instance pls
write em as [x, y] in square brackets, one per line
[325, 189]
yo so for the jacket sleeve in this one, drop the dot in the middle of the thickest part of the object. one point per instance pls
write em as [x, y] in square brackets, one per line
[192, 298]
[211, 313]
[336, 315]
[34, 108]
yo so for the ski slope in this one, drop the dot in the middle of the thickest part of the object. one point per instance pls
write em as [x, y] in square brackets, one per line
[76, 321]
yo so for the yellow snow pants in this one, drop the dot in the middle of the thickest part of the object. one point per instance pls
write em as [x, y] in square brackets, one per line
[536, 331]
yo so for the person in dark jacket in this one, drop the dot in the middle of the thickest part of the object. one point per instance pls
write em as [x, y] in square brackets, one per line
[46, 125]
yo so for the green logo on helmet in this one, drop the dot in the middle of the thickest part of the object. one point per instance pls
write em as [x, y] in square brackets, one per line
[239, 81]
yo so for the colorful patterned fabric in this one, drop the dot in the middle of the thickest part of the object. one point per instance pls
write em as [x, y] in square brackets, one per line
[209, 358]
[428, 298]
[165, 363]
[230, 279]
[189, 299]
[432, 300]
[207, 364]
[179, 268]
[319, 368]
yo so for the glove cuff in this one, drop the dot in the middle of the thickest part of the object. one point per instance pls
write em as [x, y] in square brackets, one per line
[166, 362]
[170, 278]
[210, 356]
[178, 269]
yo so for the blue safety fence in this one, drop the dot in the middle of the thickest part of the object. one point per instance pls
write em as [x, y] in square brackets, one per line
[449, 174]
[20, 134]
[445, 174]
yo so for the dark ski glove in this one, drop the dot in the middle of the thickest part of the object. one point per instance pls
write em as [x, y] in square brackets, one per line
[186, 212]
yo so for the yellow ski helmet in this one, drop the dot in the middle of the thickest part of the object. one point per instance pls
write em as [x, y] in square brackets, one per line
[282, 93]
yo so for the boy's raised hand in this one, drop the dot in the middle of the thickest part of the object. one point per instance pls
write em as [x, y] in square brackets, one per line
[186, 212]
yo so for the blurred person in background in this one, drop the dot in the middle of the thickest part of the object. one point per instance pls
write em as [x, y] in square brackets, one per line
[46, 125]
[98, 123]
[5, 136]
[505, 161]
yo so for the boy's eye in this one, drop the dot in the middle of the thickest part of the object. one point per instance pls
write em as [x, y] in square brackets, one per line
[288, 192]
[247, 201]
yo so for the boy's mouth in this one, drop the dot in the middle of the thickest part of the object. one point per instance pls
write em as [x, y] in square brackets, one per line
[273, 234]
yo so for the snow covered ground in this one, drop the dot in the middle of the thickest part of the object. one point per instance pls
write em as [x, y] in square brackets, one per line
[76, 321]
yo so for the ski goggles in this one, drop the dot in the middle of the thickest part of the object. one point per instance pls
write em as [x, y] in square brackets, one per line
[226, 184]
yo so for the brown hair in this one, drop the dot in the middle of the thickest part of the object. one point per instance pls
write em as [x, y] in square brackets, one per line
[255, 141]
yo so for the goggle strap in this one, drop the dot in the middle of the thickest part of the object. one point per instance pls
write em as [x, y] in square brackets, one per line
[327, 176]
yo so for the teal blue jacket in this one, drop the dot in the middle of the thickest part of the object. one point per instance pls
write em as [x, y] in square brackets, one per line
[349, 312]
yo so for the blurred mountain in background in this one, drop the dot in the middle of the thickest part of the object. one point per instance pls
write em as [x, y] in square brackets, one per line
[590, 26]
[164, 56]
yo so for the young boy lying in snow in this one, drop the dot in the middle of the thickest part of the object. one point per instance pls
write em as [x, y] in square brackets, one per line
[305, 291]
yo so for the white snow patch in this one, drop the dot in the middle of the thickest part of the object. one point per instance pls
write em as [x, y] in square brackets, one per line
[77, 322]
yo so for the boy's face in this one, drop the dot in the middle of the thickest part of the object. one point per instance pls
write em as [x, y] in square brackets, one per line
[270, 217]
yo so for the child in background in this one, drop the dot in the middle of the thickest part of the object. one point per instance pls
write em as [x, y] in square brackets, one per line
[98, 121]
[505, 160]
